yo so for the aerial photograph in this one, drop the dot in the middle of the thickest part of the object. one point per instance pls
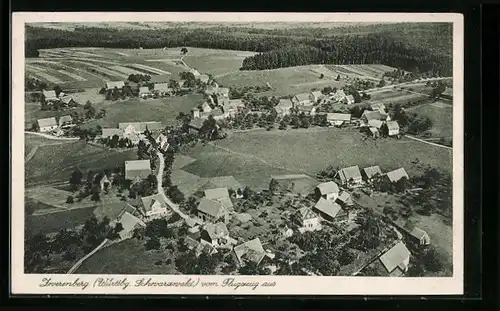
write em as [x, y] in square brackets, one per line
[249, 148]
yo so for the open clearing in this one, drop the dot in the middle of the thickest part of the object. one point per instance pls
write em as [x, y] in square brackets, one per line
[127, 257]
[255, 156]
[441, 116]
[56, 163]
[164, 110]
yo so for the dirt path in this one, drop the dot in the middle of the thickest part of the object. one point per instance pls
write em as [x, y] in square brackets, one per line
[31, 154]
[429, 143]
[48, 136]
[80, 262]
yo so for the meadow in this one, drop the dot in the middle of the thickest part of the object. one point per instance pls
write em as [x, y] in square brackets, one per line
[442, 118]
[253, 157]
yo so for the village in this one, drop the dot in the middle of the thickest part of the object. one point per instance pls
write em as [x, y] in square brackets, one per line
[352, 219]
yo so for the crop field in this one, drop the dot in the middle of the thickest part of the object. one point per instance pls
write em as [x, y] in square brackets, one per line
[55, 163]
[254, 156]
[442, 118]
[53, 222]
[164, 110]
[127, 257]
[373, 72]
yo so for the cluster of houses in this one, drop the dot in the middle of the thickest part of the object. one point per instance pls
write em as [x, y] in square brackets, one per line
[378, 120]
[53, 125]
[134, 131]
[51, 97]
[353, 177]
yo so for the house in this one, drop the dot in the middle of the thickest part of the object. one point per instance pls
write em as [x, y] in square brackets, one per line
[211, 90]
[210, 211]
[396, 260]
[350, 175]
[140, 127]
[447, 94]
[216, 235]
[316, 96]
[307, 220]
[373, 132]
[137, 169]
[129, 223]
[250, 251]
[349, 100]
[302, 99]
[50, 96]
[115, 84]
[415, 234]
[375, 123]
[162, 89]
[223, 91]
[47, 124]
[284, 107]
[195, 125]
[373, 115]
[307, 110]
[327, 190]
[204, 78]
[65, 121]
[195, 72]
[392, 128]
[181, 84]
[110, 132]
[344, 199]
[338, 96]
[222, 100]
[396, 175]
[230, 109]
[103, 181]
[327, 209]
[371, 171]
[144, 91]
[220, 195]
[113, 211]
[286, 232]
[153, 206]
[67, 100]
[338, 119]
[380, 107]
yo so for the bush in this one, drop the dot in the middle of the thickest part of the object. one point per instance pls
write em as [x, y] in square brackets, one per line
[70, 199]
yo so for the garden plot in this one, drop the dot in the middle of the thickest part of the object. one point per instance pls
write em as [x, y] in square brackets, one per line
[100, 69]
[150, 69]
[72, 75]
[41, 73]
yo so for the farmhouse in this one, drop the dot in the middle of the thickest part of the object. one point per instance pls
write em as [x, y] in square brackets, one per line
[380, 107]
[204, 78]
[327, 190]
[115, 84]
[211, 90]
[307, 110]
[415, 234]
[350, 175]
[103, 181]
[47, 124]
[284, 107]
[211, 211]
[338, 119]
[301, 99]
[392, 128]
[216, 113]
[129, 223]
[338, 96]
[67, 100]
[195, 125]
[110, 132]
[375, 123]
[396, 175]
[144, 91]
[140, 127]
[307, 220]
[316, 96]
[50, 96]
[113, 211]
[216, 235]
[327, 209]
[65, 121]
[162, 89]
[395, 261]
[223, 91]
[349, 100]
[230, 108]
[370, 172]
[373, 131]
[137, 169]
[222, 100]
[296, 183]
[153, 206]
[251, 251]
[220, 195]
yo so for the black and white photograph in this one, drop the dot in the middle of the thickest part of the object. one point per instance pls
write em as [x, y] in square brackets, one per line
[211, 148]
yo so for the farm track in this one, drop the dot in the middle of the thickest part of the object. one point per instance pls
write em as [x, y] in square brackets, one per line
[429, 143]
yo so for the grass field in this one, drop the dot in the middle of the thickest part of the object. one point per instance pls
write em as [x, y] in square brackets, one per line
[56, 163]
[127, 257]
[441, 116]
[164, 110]
[53, 222]
[254, 156]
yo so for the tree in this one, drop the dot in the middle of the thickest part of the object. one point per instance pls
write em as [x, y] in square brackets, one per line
[158, 228]
[153, 243]
[321, 76]
[431, 260]
[175, 194]
[70, 199]
[95, 197]
[273, 186]
[76, 179]
[382, 83]
[338, 78]
[35, 127]
[184, 51]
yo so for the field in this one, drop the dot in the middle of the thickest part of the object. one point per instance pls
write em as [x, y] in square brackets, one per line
[53, 222]
[52, 164]
[253, 157]
[127, 257]
[163, 110]
[441, 115]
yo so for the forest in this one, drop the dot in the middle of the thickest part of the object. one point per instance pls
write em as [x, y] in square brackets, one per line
[277, 48]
